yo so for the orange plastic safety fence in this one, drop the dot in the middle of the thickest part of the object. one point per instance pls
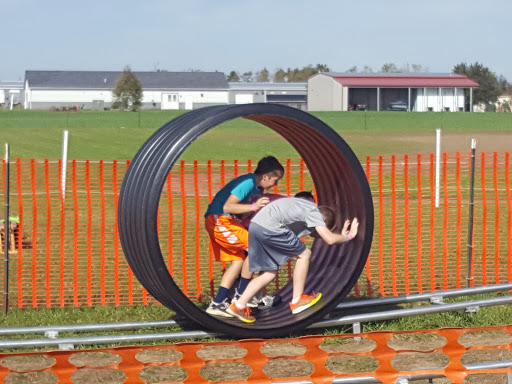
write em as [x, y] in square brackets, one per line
[68, 251]
[382, 355]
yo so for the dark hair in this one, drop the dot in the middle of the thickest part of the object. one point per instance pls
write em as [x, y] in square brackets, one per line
[269, 165]
[307, 195]
[328, 215]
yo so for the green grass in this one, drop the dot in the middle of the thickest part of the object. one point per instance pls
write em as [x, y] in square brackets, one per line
[486, 316]
[119, 134]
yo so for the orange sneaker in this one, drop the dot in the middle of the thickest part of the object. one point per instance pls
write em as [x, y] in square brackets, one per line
[305, 302]
[243, 314]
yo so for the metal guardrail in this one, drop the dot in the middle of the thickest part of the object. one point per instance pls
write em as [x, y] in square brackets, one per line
[51, 332]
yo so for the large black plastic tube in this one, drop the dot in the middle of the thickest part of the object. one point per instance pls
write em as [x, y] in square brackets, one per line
[339, 181]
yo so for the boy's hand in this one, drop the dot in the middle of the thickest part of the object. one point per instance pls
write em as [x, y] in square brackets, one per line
[261, 202]
[344, 231]
[353, 227]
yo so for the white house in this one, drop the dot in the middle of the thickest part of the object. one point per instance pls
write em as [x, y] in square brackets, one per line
[389, 91]
[93, 89]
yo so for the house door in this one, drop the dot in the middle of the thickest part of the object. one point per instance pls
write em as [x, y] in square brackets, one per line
[170, 101]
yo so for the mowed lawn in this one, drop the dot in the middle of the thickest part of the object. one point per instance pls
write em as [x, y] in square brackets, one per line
[119, 134]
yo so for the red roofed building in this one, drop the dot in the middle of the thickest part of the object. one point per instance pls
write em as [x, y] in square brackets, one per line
[389, 92]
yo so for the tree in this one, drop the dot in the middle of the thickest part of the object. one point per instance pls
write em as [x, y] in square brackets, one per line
[322, 68]
[233, 76]
[127, 92]
[247, 76]
[389, 67]
[488, 91]
[280, 76]
[352, 69]
[263, 76]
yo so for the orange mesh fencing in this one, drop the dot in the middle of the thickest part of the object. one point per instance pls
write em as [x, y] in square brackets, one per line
[320, 359]
[68, 254]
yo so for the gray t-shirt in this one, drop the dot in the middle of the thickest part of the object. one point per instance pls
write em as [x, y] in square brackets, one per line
[295, 214]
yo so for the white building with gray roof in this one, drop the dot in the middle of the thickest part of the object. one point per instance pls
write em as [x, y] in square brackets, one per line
[93, 89]
[11, 93]
[291, 94]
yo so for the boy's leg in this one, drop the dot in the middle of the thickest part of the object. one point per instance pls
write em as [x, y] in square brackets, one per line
[245, 277]
[300, 301]
[239, 308]
[231, 274]
[256, 285]
[300, 273]
[228, 279]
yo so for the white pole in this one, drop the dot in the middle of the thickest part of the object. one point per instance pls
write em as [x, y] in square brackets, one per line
[64, 163]
[438, 163]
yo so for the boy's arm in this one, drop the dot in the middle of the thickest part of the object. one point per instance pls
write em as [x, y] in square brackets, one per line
[337, 238]
[234, 206]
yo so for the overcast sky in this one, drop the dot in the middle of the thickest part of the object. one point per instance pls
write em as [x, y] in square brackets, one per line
[225, 35]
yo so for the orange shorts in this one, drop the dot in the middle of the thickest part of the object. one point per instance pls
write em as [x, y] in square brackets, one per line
[229, 238]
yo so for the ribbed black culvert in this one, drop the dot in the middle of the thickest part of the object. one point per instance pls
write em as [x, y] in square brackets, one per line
[339, 179]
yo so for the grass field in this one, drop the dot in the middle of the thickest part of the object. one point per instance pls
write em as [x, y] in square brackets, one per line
[118, 135]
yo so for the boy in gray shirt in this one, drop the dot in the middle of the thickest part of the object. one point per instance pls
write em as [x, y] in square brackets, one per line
[275, 236]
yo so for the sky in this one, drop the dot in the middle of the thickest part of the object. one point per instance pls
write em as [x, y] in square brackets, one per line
[227, 35]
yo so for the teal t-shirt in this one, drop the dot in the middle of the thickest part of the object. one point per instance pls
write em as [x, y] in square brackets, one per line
[242, 187]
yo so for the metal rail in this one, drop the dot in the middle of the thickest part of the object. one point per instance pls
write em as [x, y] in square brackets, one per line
[51, 332]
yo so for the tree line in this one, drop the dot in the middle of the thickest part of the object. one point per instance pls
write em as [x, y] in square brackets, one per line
[128, 90]
[491, 86]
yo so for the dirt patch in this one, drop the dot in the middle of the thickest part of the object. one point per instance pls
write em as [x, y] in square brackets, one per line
[162, 374]
[413, 361]
[221, 352]
[28, 363]
[103, 376]
[31, 378]
[283, 349]
[94, 359]
[158, 355]
[492, 337]
[226, 371]
[416, 342]
[282, 367]
[484, 355]
[486, 378]
[388, 143]
[351, 364]
[348, 344]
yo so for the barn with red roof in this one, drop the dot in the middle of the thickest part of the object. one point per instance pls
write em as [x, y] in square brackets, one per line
[390, 92]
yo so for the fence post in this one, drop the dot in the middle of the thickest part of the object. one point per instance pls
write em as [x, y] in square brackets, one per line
[469, 275]
[64, 163]
[438, 164]
[7, 227]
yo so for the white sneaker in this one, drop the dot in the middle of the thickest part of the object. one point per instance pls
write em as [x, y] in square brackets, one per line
[219, 309]
[253, 303]
[267, 302]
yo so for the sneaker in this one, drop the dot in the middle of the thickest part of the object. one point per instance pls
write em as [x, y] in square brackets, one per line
[253, 303]
[243, 314]
[268, 302]
[305, 302]
[220, 309]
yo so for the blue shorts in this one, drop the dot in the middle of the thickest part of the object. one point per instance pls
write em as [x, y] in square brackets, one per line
[268, 249]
